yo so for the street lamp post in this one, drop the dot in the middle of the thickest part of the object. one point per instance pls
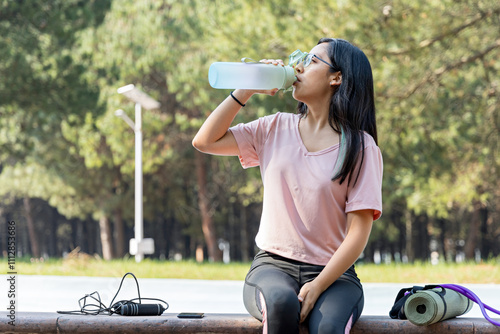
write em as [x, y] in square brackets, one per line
[138, 245]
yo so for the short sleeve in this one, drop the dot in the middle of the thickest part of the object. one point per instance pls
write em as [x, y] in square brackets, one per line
[251, 138]
[367, 192]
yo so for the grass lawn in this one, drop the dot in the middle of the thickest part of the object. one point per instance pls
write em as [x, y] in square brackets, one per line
[422, 273]
[426, 273]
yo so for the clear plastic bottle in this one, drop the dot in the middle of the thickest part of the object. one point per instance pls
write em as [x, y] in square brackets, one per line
[243, 75]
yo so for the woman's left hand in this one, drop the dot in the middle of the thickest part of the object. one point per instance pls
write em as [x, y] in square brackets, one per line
[308, 295]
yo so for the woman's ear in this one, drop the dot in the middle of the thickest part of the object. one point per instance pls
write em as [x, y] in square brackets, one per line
[336, 79]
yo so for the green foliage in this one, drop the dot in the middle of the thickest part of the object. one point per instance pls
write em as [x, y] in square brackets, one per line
[43, 94]
[435, 66]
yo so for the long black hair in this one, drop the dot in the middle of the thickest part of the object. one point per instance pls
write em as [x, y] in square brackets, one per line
[352, 105]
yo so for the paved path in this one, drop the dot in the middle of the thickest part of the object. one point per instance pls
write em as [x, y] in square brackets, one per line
[61, 293]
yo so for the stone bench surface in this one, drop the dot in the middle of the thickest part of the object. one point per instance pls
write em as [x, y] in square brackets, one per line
[51, 322]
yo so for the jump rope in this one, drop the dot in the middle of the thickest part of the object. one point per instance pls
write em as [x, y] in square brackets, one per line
[472, 296]
[91, 304]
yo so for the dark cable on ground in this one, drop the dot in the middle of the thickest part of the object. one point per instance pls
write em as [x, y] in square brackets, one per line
[91, 304]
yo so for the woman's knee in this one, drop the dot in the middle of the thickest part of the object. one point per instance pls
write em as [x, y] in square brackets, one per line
[282, 311]
[282, 302]
[279, 302]
[337, 309]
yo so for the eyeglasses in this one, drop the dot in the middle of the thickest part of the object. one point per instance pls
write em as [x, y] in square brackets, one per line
[305, 58]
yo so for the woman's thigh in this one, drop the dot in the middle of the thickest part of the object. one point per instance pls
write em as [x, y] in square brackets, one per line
[337, 308]
[270, 295]
[277, 287]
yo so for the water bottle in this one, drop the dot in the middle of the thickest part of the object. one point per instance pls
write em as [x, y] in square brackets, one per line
[244, 75]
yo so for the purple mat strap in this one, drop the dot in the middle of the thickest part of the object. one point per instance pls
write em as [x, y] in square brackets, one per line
[472, 296]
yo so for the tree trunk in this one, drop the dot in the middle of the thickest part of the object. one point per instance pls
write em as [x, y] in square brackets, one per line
[92, 238]
[421, 246]
[35, 249]
[168, 231]
[207, 223]
[409, 236]
[442, 239]
[472, 235]
[106, 242]
[77, 235]
[119, 234]
[244, 234]
[486, 235]
[52, 235]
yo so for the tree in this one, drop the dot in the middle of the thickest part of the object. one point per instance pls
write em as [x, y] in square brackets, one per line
[436, 83]
[38, 66]
[437, 89]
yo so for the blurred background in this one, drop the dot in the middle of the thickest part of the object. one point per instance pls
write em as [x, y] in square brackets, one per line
[67, 162]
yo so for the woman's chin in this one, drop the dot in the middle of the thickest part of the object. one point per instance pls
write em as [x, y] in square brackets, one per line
[296, 94]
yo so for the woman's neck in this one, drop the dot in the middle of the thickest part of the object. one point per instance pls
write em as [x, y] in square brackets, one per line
[318, 111]
[317, 117]
[316, 132]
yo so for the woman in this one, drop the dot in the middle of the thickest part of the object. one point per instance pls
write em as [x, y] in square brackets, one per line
[322, 175]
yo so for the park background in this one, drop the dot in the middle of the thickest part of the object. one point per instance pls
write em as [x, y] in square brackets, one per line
[67, 162]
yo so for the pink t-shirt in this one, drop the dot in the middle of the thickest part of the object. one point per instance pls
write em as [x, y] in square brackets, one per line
[304, 214]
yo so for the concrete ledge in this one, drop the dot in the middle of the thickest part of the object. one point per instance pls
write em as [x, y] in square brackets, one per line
[45, 322]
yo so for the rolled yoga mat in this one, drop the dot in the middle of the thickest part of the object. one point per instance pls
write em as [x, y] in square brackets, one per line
[427, 307]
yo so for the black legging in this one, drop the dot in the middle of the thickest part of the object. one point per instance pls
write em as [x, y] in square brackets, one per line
[271, 289]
